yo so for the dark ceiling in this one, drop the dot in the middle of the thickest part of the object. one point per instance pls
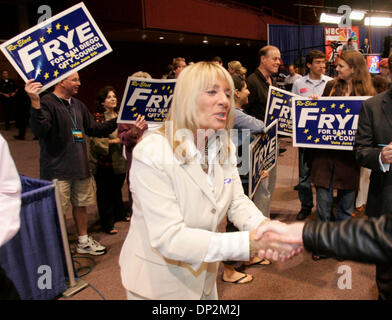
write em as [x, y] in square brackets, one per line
[311, 10]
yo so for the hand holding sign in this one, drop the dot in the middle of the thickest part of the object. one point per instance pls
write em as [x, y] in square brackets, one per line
[140, 122]
[57, 47]
[32, 88]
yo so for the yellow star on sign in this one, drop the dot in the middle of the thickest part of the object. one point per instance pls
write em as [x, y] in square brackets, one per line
[133, 109]
[58, 26]
[333, 106]
[55, 73]
[310, 138]
[46, 76]
[347, 110]
[341, 106]
[156, 90]
[49, 30]
[39, 71]
[306, 131]
[316, 140]
[168, 88]
[338, 134]
[271, 117]
[163, 88]
[66, 28]
[171, 91]
[135, 115]
[42, 39]
[323, 109]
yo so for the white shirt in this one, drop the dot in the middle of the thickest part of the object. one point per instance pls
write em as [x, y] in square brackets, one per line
[230, 245]
[291, 79]
[306, 87]
[383, 166]
[10, 194]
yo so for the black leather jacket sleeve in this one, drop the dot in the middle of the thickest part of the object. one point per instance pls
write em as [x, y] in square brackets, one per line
[362, 240]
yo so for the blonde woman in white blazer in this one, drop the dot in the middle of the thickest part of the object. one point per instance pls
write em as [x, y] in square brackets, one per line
[172, 249]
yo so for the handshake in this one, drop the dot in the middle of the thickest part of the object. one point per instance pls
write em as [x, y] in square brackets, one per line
[276, 241]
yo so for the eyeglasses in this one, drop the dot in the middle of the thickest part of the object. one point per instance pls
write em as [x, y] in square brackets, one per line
[74, 80]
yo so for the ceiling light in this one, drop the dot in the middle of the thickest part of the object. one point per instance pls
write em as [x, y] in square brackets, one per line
[357, 15]
[330, 18]
[161, 38]
[378, 21]
[205, 40]
[238, 44]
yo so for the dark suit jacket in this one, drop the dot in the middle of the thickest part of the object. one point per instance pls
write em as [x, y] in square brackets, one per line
[374, 128]
[363, 240]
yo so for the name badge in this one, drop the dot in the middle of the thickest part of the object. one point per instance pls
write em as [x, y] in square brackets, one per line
[77, 135]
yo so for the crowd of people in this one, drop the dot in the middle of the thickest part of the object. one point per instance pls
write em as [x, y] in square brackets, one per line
[172, 249]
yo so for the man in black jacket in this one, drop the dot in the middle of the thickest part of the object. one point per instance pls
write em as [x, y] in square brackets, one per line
[373, 150]
[362, 240]
[8, 90]
[62, 122]
[258, 84]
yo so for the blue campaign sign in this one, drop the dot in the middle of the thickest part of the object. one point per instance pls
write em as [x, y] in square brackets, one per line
[263, 156]
[279, 107]
[326, 123]
[57, 47]
[149, 97]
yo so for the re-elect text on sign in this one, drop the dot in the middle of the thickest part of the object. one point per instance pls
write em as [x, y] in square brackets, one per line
[57, 47]
[148, 97]
[326, 123]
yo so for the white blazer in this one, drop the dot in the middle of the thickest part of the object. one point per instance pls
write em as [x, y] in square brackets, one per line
[175, 213]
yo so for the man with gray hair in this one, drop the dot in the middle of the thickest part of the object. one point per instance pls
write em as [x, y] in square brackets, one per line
[61, 122]
[258, 84]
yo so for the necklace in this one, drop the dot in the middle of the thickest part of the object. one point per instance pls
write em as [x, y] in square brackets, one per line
[204, 164]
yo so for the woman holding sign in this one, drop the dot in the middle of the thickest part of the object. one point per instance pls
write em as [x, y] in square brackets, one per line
[129, 135]
[108, 164]
[338, 169]
[184, 181]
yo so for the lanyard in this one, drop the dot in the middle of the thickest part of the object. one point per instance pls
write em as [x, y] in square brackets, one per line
[73, 119]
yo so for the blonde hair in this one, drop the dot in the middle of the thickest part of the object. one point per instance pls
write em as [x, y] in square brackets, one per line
[141, 74]
[191, 82]
[238, 69]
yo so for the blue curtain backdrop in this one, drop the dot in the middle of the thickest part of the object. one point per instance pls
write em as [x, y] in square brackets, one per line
[377, 37]
[38, 243]
[290, 38]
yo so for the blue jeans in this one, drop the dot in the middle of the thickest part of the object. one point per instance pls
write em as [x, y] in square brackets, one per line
[305, 192]
[346, 200]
